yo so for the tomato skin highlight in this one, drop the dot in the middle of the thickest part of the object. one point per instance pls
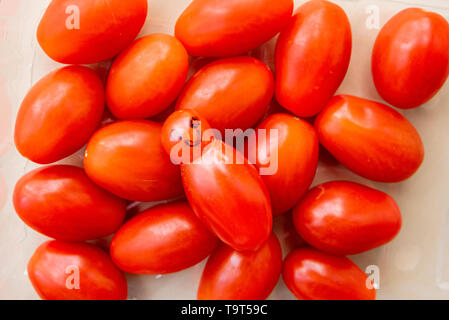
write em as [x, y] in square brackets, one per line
[370, 138]
[410, 60]
[52, 268]
[312, 57]
[234, 275]
[106, 27]
[210, 28]
[127, 159]
[229, 93]
[230, 198]
[344, 218]
[314, 275]
[163, 239]
[297, 159]
[59, 114]
[61, 202]
[158, 65]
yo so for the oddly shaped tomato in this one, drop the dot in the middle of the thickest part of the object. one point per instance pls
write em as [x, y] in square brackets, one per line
[84, 32]
[233, 275]
[163, 239]
[312, 57]
[61, 202]
[295, 157]
[158, 65]
[61, 270]
[344, 218]
[314, 275]
[127, 159]
[59, 114]
[410, 61]
[370, 138]
[186, 126]
[210, 28]
[230, 198]
[229, 93]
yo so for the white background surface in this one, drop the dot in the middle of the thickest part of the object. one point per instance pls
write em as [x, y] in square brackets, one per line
[414, 265]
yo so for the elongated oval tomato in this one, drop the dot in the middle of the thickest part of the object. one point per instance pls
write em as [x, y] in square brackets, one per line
[158, 65]
[289, 153]
[84, 32]
[163, 239]
[314, 275]
[370, 138]
[312, 57]
[229, 93]
[410, 61]
[210, 28]
[184, 130]
[127, 159]
[59, 114]
[62, 270]
[233, 275]
[344, 218]
[61, 202]
[230, 198]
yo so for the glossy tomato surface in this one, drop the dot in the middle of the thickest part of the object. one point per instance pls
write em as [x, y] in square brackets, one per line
[211, 28]
[182, 131]
[127, 159]
[61, 202]
[313, 275]
[289, 153]
[233, 275]
[370, 138]
[59, 114]
[410, 61]
[158, 65]
[84, 32]
[312, 57]
[230, 198]
[163, 239]
[229, 93]
[62, 270]
[342, 217]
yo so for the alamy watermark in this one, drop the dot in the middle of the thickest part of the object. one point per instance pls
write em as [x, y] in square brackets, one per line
[253, 146]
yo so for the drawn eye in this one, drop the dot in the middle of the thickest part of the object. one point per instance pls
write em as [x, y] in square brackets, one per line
[175, 134]
[194, 122]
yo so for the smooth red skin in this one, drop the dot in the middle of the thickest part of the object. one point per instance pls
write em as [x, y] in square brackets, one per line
[106, 28]
[62, 203]
[230, 198]
[178, 126]
[312, 57]
[59, 114]
[99, 277]
[163, 239]
[410, 60]
[158, 65]
[345, 218]
[371, 139]
[233, 275]
[229, 93]
[127, 159]
[314, 275]
[214, 28]
[297, 159]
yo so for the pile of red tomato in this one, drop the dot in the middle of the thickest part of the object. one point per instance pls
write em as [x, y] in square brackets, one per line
[223, 211]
